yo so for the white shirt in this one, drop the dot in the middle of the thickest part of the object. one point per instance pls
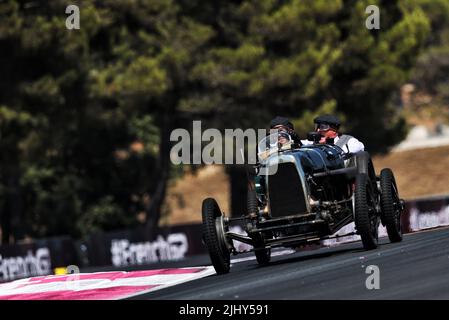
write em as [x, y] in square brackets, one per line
[353, 145]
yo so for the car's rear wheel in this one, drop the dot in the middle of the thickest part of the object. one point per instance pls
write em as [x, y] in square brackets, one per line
[214, 236]
[365, 218]
[390, 204]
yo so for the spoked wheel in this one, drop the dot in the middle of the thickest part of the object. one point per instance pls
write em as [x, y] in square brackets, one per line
[214, 236]
[391, 205]
[366, 220]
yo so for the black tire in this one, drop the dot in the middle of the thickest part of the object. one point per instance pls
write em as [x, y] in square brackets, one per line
[214, 236]
[389, 202]
[263, 256]
[252, 203]
[366, 224]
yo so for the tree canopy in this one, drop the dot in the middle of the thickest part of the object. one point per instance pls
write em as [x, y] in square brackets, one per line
[86, 115]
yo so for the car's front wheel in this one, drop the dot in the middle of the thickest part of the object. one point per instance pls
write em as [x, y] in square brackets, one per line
[214, 236]
[365, 217]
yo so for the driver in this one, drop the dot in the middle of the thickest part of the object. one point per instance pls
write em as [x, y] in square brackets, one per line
[284, 125]
[328, 126]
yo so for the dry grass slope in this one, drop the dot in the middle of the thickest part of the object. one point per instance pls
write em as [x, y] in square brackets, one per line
[185, 197]
[420, 172]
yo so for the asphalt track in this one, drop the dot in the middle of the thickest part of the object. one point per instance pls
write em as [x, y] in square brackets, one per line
[416, 268]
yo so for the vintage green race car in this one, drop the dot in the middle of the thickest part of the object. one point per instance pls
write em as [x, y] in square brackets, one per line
[303, 194]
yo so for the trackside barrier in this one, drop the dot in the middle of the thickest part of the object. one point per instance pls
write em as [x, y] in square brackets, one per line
[137, 246]
[36, 258]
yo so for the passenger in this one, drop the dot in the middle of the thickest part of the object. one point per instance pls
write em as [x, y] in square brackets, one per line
[328, 126]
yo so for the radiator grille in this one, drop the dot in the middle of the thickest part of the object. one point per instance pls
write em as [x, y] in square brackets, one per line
[286, 192]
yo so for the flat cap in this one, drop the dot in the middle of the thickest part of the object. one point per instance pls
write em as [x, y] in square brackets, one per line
[329, 119]
[281, 121]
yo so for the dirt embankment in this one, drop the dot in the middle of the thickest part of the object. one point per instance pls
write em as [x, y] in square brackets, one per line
[419, 173]
[186, 195]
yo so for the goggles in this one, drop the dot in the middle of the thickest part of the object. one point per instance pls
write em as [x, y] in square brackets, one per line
[322, 127]
[283, 135]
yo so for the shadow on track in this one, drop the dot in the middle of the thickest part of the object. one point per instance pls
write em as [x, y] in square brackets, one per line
[307, 256]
